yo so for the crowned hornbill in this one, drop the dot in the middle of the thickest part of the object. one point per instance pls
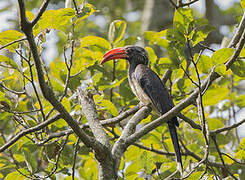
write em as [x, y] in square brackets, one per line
[147, 86]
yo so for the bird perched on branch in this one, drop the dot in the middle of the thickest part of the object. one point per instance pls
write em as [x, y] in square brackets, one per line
[147, 86]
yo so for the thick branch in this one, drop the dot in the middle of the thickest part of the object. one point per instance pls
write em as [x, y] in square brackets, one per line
[90, 112]
[46, 90]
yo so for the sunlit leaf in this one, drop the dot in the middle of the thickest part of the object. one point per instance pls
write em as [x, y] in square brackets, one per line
[116, 31]
[152, 55]
[214, 123]
[242, 3]
[238, 68]
[88, 10]
[222, 55]
[10, 36]
[30, 16]
[211, 97]
[95, 41]
[201, 34]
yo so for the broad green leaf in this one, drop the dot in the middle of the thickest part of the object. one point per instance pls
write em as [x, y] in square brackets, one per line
[61, 123]
[96, 77]
[88, 10]
[165, 63]
[127, 41]
[240, 101]
[146, 161]
[215, 95]
[84, 58]
[158, 38]
[221, 69]
[30, 160]
[214, 123]
[152, 55]
[238, 68]
[116, 31]
[15, 175]
[175, 35]
[204, 63]
[222, 55]
[201, 34]
[182, 19]
[242, 143]
[106, 104]
[228, 160]
[95, 41]
[30, 15]
[240, 154]
[242, 3]
[66, 103]
[19, 157]
[148, 35]
[55, 19]
[114, 84]
[10, 36]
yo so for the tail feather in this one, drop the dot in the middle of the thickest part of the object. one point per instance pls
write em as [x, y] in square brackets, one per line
[175, 141]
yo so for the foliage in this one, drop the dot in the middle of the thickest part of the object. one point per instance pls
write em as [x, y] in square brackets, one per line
[49, 153]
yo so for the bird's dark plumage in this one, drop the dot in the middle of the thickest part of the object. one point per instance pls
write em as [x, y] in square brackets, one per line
[148, 87]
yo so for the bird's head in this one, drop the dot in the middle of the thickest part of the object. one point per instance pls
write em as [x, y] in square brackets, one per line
[134, 54]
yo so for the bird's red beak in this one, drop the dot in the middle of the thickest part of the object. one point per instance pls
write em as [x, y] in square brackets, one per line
[117, 53]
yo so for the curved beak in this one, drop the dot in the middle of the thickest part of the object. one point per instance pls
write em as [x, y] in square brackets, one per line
[117, 53]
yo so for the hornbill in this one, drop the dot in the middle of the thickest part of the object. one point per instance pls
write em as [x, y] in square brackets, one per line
[147, 86]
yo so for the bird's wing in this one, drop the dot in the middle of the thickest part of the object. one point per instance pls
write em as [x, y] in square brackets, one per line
[152, 85]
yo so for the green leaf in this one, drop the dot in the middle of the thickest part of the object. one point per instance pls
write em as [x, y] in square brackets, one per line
[116, 31]
[242, 2]
[215, 95]
[221, 69]
[30, 16]
[30, 160]
[238, 68]
[95, 41]
[106, 104]
[152, 55]
[14, 175]
[148, 35]
[96, 77]
[146, 161]
[157, 38]
[10, 36]
[84, 58]
[201, 34]
[240, 101]
[204, 64]
[114, 84]
[242, 143]
[222, 55]
[55, 19]
[182, 19]
[88, 10]
[214, 123]
[165, 63]
[66, 103]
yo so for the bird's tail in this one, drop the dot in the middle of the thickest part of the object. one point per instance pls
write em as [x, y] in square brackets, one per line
[175, 141]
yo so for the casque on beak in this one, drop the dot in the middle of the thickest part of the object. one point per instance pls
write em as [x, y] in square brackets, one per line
[117, 53]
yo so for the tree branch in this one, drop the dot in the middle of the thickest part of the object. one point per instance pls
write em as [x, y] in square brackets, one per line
[28, 131]
[238, 34]
[40, 12]
[90, 112]
[46, 90]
